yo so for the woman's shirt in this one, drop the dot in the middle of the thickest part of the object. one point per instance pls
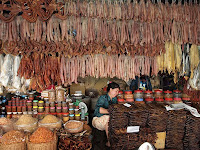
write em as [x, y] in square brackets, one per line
[104, 101]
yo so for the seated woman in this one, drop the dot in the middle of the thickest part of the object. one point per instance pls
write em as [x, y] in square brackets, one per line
[101, 114]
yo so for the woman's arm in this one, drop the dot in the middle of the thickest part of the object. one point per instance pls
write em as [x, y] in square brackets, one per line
[103, 110]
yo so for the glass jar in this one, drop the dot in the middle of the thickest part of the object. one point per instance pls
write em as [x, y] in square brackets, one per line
[138, 95]
[168, 100]
[52, 104]
[59, 104]
[149, 100]
[19, 109]
[65, 109]
[59, 115]
[58, 109]
[40, 109]
[121, 101]
[35, 102]
[64, 104]
[120, 95]
[65, 117]
[71, 116]
[9, 115]
[148, 94]
[46, 104]
[71, 105]
[52, 110]
[41, 103]
[14, 109]
[28, 103]
[24, 108]
[77, 117]
[47, 109]
[158, 94]
[35, 108]
[8, 108]
[177, 94]
[168, 94]
[71, 111]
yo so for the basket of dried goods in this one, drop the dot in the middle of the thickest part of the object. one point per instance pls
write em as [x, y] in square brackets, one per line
[42, 139]
[13, 140]
[51, 122]
[6, 124]
[73, 126]
[26, 123]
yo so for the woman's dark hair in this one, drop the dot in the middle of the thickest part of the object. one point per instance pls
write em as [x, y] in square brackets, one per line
[112, 85]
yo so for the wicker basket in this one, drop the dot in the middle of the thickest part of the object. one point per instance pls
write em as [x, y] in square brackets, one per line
[16, 146]
[52, 145]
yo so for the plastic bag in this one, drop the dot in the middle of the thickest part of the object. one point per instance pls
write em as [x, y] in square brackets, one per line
[51, 126]
[7, 70]
[16, 79]
[26, 127]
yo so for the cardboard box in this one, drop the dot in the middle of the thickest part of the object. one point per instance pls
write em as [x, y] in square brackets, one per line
[77, 87]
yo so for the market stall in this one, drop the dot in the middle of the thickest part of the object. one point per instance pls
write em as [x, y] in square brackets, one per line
[58, 57]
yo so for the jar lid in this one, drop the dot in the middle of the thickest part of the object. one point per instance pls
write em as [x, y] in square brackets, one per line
[138, 91]
[58, 107]
[130, 100]
[19, 106]
[16, 106]
[77, 115]
[177, 99]
[71, 109]
[159, 99]
[128, 92]
[148, 91]
[167, 91]
[148, 99]
[41, 101]
[53, 113]
[19, 113]
[52, 107]
[9, 113]
[158, 91]
[120, 92]
[139, 99]
[120, 100]
[71, 115]
[29, 101]
[40, 107]
[177, 91]
[186, 98]
[35, 106]
[47, 107]
[65, 113]
[65, 107]
[14, 113]
[59, 113]
[8, 106]
[24, 112]
[168, 99]
[35, 101]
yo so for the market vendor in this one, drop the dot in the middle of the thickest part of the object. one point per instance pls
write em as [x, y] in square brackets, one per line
[101, 114]
[142, 83]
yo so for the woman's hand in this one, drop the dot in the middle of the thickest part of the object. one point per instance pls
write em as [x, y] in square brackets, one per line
[103, 110]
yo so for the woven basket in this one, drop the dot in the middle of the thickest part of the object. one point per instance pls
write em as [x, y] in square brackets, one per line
[16, 146]
[52, 145]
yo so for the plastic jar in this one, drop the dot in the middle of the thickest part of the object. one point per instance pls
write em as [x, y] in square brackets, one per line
[35, 114]
[35, 108]
[148, 94]
[121, 101]
[14, 115]
[76, 111]
[138, 95]
[159, 100]
[9, 103]
[35, 102]
[8, 108]
[58, 109]
[52, 110]
[64, 104]
[14, 109]
[71, 110]
[177, 100]
[47, 109]
[77, 117]
[28, 103]
[169, 100]
[129, 100]
[19, 109]
[149, 100]
[52, 104]
[60, 94]
[23, 108]
[40, 116]
[31, 96]
[59, 104]
[139, 102]
[46, 104]
[9, 115]
[65, 109]
[40, 109]
[168, 94]
[177, 94]
[41, 103]
[71, 116]
[52, 95]
[59, 115]
[65, 117]
[71, 106]
[120, 95]
[158, 94]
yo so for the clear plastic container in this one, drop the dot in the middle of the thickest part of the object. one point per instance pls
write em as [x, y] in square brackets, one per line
[120, 95]
[52, 104]
[65, 117]
[64, 104]
[71, 116]
[40, 109]
[77, 117]
[177, 94]
[168, 94]
[177, 100]
[148, 94]
[59, 104]
[52, 110]
[149, 100]
[73, 126]
[58, 109]
[35, 102]
[159, 100]
[28, 103]
[41, 103]
[129, 100]
[35, 108]
[52, 95]
[121, 101]
[138, 94]
[169, 101]
[65, 109]
[47, 109]
[158, 94]
[71, 105]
